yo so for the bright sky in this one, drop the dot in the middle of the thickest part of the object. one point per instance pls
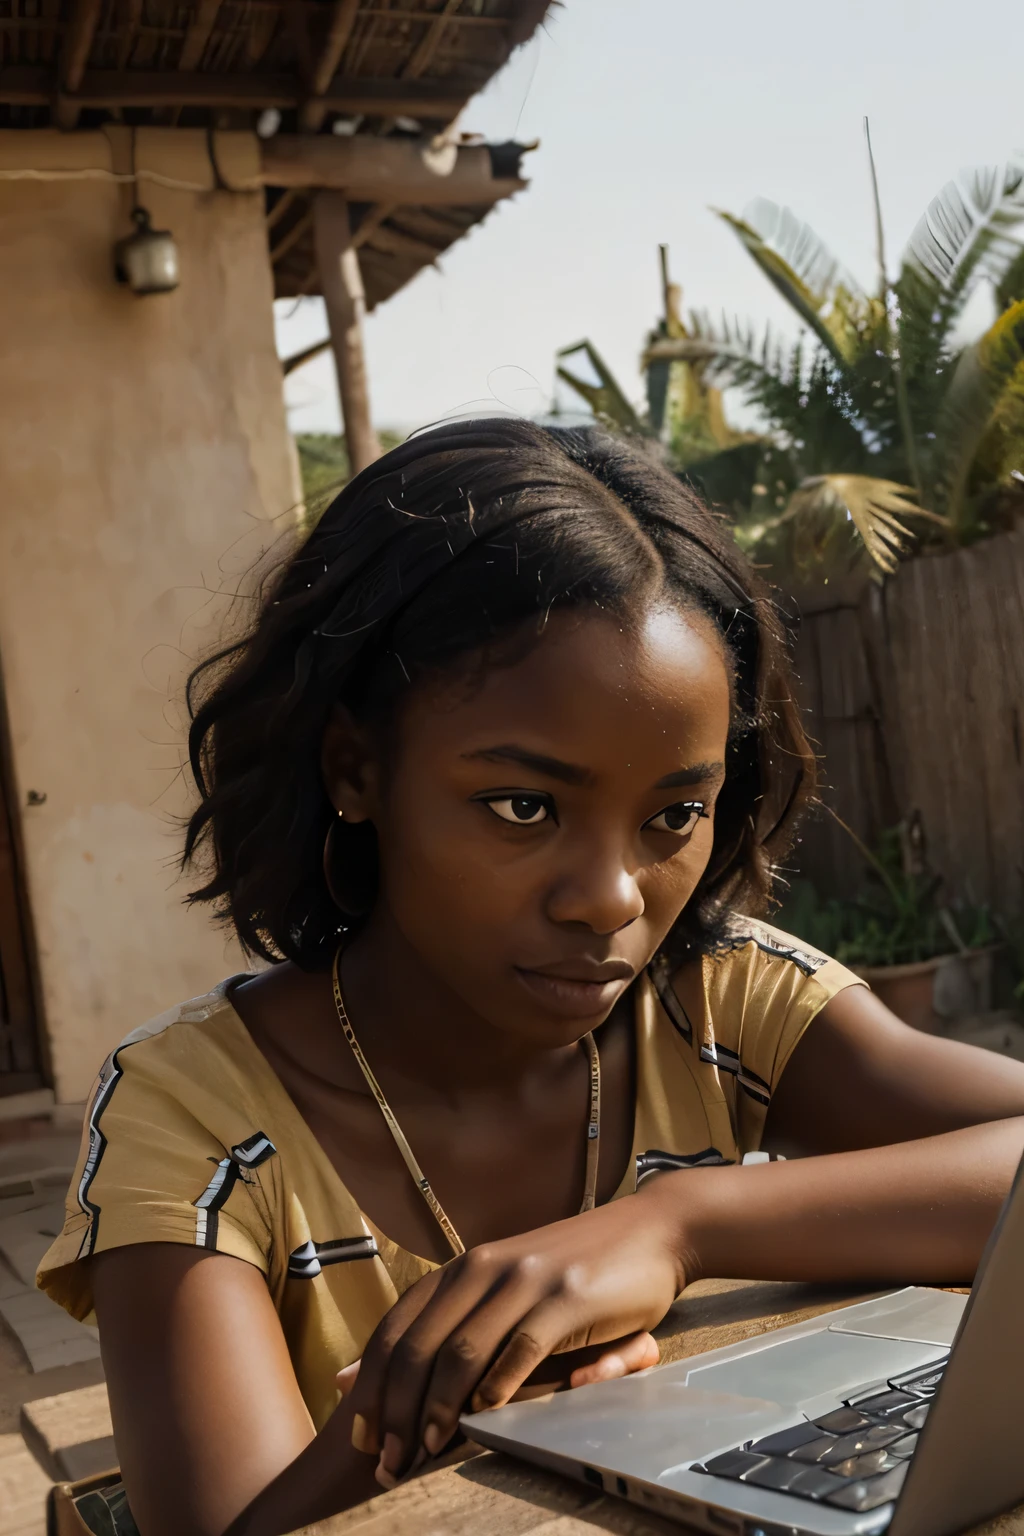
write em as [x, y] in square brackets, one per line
[650, 112]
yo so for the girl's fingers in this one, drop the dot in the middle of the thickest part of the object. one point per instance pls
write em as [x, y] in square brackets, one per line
[546, 1329]
[347, 1378]
[465, 1358]
[637, 1353]
[443, 1354]
[368, 1390]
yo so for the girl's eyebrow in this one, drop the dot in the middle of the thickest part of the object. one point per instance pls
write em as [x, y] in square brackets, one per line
[570, 773]
[697, 773]
[552, 767]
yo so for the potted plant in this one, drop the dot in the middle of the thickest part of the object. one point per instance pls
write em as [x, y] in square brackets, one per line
[929, 961]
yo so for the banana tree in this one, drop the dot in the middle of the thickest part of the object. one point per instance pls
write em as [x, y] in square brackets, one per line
[882, 426]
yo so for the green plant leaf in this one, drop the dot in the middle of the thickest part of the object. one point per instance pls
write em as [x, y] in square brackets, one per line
[606, 398]
[873, 506]
[800, 267]
[984, 376]
[1010, 286]
[969, 229]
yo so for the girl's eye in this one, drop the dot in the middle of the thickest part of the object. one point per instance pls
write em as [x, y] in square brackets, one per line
[523, 810]
[680, 818]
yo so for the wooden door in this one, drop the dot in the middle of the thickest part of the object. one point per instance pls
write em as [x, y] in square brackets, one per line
[22, 1065]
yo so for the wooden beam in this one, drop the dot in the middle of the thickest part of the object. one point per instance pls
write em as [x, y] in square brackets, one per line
[431, 99]
[198, 34]
[428, 44]
[297, 359]
[342, 285]
[392, 170]
[127, 26]
[26, 86]
[339, 30]
[393, 242]
[280, 208]
[291, 237]
[371, 221]
[74, 55]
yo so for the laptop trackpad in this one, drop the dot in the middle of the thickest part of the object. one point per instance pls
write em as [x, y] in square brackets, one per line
[796, 1370]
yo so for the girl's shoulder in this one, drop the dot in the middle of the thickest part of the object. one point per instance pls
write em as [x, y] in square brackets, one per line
[180, 1123]
[739, 1011]
[752, 952]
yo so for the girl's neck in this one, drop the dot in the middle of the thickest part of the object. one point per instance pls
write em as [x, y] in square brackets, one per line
[404, 1015]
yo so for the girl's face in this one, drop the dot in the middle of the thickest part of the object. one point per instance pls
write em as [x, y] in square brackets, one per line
[540, 833]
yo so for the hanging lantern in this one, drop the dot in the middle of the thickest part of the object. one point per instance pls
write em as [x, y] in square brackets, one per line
[147, 260]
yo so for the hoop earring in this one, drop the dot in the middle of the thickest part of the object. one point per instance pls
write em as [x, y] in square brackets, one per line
[351, 881]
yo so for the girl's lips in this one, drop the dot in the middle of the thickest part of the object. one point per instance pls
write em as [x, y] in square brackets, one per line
[573, 999]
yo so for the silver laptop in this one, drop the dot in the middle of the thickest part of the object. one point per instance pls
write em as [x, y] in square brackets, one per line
[903, 1414]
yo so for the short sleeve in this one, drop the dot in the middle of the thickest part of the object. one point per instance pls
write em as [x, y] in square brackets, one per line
[762, 992]
[149, 1171]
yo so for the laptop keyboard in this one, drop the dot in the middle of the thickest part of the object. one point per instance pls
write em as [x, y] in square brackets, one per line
[855, 1457]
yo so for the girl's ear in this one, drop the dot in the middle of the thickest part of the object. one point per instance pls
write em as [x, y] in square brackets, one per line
[350, 767]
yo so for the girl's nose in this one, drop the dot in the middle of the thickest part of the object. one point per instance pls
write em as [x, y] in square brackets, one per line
[599, 892]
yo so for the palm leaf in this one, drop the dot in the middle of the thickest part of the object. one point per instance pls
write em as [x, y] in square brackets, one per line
[983, 376]
[800, 267]
[1010, 287]
[804, 401]
[605, 398]
[969, 229]
[873, 506]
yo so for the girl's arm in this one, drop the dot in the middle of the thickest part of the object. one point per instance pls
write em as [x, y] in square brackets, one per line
[212, 1433]
[211, 1429]
[921, 1138]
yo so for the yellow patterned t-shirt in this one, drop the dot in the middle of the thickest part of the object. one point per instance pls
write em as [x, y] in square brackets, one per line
[191, 1138]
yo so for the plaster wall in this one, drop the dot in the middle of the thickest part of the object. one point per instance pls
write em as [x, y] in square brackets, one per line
[145, 466]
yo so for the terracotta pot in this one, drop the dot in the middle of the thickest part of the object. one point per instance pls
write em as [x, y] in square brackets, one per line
[928, 993]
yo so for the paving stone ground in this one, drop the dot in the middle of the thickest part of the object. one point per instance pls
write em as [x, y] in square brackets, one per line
[60, 1402]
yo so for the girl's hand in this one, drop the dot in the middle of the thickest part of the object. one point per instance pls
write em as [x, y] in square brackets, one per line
[479, 1328]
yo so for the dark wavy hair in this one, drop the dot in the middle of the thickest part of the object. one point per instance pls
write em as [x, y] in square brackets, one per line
[461, 538]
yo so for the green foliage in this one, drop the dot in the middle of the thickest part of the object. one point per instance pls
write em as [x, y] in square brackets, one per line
[602, 393]
[883, 396]
[881, 427]
[323, 462]
[896, 918]
[324, 467]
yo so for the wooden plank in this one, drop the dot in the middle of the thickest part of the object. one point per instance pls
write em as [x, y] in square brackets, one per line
[1001, 685]
[372, 219]
[75, 49]
[291, 237]
[198, 34]
[393, 242]
[25, 86]
[281, 207]
[343, 19]
[342, 286]
[941, 653]
[395, 170]
[430, 99]
[428, 45]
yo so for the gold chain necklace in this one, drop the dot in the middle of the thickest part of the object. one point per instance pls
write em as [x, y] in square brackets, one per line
[419, 1178]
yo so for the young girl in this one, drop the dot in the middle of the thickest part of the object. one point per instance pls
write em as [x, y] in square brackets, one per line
[510, 749]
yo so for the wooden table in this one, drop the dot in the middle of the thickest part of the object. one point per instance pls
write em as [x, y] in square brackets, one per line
[487, 1494]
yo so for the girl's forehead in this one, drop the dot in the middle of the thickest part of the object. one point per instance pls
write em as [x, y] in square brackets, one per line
[589, 678]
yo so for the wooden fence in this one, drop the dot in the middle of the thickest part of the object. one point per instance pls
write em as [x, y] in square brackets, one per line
[915, 697]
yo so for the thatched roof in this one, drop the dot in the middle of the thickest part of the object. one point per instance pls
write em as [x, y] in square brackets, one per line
[221, 62]
[365, 67]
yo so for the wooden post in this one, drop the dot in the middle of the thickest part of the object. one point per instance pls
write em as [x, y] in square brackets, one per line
[342, 285]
